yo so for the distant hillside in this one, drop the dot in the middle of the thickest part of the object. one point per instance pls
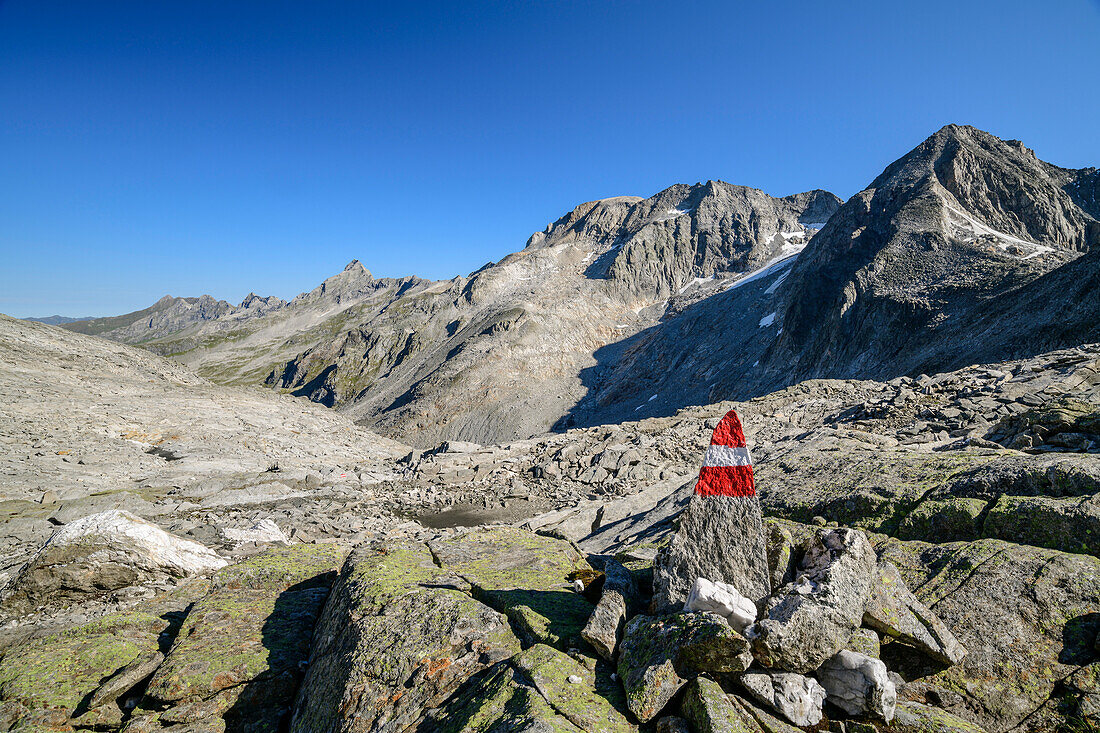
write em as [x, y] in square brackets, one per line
[57, 320]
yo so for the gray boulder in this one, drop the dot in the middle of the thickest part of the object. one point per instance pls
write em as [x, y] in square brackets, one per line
[604, 627]
[398, 635]
[813, 618]
[659, 655]
[858, 685]
[100, 553]
[796, 698]
[710, 710]
[895, 612]
[721, 538]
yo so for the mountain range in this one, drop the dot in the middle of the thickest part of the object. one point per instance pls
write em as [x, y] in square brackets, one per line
[967, 249]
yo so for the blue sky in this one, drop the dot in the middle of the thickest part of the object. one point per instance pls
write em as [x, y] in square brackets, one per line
[221, 147]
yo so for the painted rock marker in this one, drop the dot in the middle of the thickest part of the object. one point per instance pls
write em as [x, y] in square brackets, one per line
[721, 535]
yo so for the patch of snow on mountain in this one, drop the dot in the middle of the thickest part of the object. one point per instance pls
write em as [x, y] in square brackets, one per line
[767, 320]
[970, 229]
[778, 281]
[785, 258]
[695, 281]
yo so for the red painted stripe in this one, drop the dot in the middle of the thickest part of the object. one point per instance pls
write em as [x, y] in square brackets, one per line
[726, 481]
[729, 431]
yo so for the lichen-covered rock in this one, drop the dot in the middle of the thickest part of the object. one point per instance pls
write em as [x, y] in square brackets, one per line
[710, 710]
[100, 553]
[780, 550]
[914, 717]
[950, 519]
[398, 635]
[865, 641]
[811, 619]
[495, 701]
[1070, 524]
[795, 697]
[523, 575]
[125, 679]
[895, 612]
[570, 689]
[659, 654]
[45, 682]
[720, 538]
[858, 685]
[238, 656]
[1027, 616]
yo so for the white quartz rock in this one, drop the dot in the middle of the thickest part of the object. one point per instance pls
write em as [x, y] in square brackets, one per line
[858, 684]
[722, 599]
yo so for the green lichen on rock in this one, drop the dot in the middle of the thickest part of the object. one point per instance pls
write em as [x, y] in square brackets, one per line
[951, 519]
[240, 647]
[911, 717]
[571, 690]
[1070, 525]
[869, 490]
[44, 681]
[710, 710]
[658, 656]
[524, 575]
[1028, 616]
[398, 635]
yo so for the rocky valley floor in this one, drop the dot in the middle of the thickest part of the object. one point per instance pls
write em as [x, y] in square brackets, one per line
[179, 555]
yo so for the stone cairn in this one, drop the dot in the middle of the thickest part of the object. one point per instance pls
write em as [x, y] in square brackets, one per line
[751, 624]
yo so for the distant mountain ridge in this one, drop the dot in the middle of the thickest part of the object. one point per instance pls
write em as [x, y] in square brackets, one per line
[968, 248]
[168, 315]
[58, 320]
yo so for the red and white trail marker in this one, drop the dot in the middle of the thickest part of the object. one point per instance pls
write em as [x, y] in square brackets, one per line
[727, 466]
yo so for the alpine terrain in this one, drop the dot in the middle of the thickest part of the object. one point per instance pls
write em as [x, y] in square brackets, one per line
[705, 461]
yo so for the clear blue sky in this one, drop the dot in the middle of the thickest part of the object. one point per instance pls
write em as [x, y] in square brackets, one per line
[196, 146]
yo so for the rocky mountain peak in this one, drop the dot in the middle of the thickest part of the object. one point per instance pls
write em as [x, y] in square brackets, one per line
[355, 266]
[1001, 182]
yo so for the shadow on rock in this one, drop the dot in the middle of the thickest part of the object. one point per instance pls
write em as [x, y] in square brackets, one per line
[1079, 637]
[265, 701]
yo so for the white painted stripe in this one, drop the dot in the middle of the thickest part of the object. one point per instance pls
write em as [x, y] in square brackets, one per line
[726, 455]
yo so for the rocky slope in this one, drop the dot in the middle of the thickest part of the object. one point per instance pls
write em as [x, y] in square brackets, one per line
[88, 425]
[500, 354]
[246, 345]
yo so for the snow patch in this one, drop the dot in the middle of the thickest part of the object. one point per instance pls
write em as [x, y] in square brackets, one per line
[778, 281]
[767, 320]
[673, 213]
[695, 281]
[785, 258]
[974, 230]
